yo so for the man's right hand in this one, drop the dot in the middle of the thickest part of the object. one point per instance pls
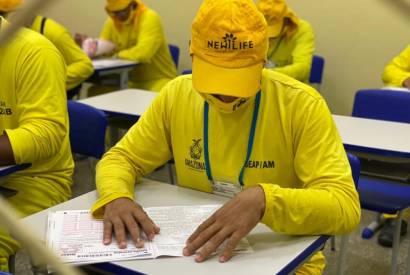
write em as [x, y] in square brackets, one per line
[124, 216]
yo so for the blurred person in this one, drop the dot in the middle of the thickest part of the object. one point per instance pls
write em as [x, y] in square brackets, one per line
[291, 40]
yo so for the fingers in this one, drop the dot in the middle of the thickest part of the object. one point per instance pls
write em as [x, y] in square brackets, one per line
[229, 248]
[120, 234]
[201, 228]
[134, 230]
[200, 239]
[146, 223]
[107, 232]
[211, 245]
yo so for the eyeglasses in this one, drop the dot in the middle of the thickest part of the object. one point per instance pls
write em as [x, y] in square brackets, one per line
[124, 12]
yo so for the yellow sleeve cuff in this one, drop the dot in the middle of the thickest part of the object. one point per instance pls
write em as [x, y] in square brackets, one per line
[97, 210]
[269, 190]
[19, 143]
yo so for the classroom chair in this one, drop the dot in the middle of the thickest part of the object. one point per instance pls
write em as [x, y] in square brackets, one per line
[87, 129]
[188, 71]
[380, 195]
[174, 53]
[316, 71]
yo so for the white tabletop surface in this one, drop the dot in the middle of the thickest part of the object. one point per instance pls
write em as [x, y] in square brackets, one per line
[112, 63]
[131, 102]
[375, 134]
[400, 89]
[271, 251]
[365, 133]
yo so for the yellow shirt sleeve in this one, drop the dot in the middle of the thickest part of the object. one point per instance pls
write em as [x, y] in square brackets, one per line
[328, 202]
[40, 93]
[146, 146]
[79, 66]
[398, 69]
[301, 54]
[150, 38]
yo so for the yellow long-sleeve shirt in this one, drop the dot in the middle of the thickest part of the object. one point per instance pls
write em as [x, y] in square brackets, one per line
[146, 45]
[293, 56]
[297, 157]
[33, 113]
[79, 66]
[398, 69]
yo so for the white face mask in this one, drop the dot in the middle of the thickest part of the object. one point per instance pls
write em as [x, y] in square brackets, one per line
[225, 107]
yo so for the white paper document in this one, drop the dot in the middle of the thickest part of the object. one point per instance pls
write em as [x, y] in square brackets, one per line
[106, 63]
[76, 237]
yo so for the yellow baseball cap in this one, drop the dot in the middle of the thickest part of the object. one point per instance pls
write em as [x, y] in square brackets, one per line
[275, 12]
[229, 44]
[9, 5]
[117, 5]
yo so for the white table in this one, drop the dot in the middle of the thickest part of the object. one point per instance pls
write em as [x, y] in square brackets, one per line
[107, 66]
[273, 253]
[126, 103]
[359, 134]
[374, 136]
[399, 89]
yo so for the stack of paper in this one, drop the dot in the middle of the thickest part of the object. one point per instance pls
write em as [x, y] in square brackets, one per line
[77, 238]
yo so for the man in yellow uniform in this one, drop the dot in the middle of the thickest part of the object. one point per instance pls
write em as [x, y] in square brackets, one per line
[397, 72]
[137, 33]
[79, 66]
[268, 137]
[33, 126]
[291, 40]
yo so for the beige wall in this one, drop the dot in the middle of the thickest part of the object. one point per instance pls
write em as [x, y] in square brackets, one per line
[357, 38]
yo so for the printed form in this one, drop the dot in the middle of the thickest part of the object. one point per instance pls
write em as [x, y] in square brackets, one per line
[77, 238]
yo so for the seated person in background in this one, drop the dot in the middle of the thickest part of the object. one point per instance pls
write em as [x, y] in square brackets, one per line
[268, 136]
[138, 35]
[79, 66]
[291, 40]
[33, 125]
[397, 72]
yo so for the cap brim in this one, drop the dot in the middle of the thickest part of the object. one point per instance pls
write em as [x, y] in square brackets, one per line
[239, 82]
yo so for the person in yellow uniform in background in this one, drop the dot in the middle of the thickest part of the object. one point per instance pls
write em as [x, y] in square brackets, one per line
[33, 125]
[267, 136]
[79, 66]
[137, 33]
[291, 40]
[397, 72]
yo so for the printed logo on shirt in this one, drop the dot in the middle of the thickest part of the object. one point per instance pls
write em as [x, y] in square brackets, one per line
[229, 42]
[260, 164]
[195, 152]
[4, 110]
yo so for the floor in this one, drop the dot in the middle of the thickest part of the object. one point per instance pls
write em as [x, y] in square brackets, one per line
[364, 256]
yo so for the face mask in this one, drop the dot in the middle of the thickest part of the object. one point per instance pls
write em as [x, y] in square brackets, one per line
[225, 107]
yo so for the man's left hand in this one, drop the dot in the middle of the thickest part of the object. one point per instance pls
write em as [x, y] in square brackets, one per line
[234, 220]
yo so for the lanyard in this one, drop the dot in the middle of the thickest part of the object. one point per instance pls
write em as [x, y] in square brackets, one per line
[250, 140]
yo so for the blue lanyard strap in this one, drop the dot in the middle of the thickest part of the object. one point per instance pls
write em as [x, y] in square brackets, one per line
[250, 140]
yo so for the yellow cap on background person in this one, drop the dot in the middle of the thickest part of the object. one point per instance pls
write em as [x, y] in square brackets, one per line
[275, 12]
[9, 5]
[117, 5]
[228, 50]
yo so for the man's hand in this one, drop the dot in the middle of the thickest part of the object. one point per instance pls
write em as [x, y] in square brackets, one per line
[124, 215]
[231, 222]
[406, 83]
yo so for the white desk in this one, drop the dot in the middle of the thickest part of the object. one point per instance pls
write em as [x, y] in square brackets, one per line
[359, 134]
[374, 136]
[7, 170]
[274, 253]
[114, 66]
[399, 89]
[126, 103]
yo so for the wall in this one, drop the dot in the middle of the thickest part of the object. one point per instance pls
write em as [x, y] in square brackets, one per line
[357, 38]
